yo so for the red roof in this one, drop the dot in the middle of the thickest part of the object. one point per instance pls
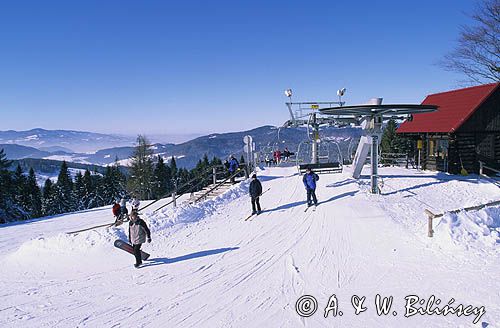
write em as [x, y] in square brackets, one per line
[455, 107]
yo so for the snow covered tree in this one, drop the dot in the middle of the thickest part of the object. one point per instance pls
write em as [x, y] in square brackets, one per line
[65, 198]
[49, 206]
[79, 190]
[140, 183]
[34, 195]
[173, 167]
[5, 188]
[113, 184]
[19, 183]
[391, 142]
[162, 178]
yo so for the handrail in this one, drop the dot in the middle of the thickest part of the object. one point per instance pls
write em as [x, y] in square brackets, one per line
[431, 216]
[219, 184]
[481, 166]
[181, 187]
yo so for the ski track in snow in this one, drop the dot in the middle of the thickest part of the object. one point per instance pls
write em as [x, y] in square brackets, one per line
[210, 268]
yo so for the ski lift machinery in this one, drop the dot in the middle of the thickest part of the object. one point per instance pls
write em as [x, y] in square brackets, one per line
[369, 116]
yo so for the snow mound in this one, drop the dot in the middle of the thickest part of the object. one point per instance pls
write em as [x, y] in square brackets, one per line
[97, 239]
[478, 230]
[160, 222]
[65, 244]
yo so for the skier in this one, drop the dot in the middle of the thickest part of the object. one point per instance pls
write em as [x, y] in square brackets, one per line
[124, 210]
[268, 161]
[286, 154]
[138, 233]
[135, 204]
[233, 166]
[309, 181]
[116, 210]
[255, 191]
[277, 156]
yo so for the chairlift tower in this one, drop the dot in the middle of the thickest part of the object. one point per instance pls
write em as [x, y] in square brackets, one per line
[307, 114]
[371, 117]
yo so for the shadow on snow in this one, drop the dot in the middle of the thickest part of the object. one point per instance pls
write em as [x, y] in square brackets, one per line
[166, 260]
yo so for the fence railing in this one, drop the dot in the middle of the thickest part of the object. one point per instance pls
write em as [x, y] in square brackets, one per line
[431, 216]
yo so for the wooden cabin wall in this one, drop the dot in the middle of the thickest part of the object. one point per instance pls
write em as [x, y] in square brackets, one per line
[484, 128]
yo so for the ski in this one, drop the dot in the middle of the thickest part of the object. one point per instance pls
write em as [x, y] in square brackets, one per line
[249, 217]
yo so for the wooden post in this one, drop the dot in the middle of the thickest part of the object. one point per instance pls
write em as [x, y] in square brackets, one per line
[480, 168]
[174, 194]
[430, 217]
[214, 175]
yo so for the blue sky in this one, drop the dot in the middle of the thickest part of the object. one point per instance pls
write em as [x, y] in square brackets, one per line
[173, 67]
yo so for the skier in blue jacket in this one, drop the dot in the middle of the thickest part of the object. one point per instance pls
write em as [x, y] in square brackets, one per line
[309, 181]
[233, 166]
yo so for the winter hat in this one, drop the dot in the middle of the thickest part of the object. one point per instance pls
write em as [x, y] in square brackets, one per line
[254, 176]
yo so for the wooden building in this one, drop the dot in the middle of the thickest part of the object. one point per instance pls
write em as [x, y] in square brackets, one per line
[463, 131]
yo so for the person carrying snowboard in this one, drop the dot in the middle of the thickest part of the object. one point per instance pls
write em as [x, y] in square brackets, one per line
[309, 181]
[233, 166]
[255, 191]
[138, 233]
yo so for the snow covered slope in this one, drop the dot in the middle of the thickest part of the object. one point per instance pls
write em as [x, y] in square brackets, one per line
[210, 268]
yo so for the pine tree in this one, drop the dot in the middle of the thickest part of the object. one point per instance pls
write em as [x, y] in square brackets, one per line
[215, 161]
[242, 160]
[79, 191]
[173, 167]
[389, 141]
[34, 194]
[113, 184]
[162, 178]
[89, 191]
[141, 171]
[49, 206]
[6, 191]
[19, 182]
[65, 199]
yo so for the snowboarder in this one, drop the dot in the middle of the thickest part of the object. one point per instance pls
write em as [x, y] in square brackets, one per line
[255, 191]
[233, 166]
[138, 233]
[309, 181]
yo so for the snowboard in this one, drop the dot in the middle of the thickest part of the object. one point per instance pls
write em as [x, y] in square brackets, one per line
[129, 249]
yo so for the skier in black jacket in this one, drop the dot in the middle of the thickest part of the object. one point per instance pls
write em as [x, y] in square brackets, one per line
[255, 192]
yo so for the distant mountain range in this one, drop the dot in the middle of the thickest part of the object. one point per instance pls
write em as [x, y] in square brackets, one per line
[221, 145]
[66, 140]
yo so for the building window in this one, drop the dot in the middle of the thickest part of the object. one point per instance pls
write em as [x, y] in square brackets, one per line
[438, 148]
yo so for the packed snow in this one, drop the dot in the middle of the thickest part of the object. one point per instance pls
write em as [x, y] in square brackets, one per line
[211, 268]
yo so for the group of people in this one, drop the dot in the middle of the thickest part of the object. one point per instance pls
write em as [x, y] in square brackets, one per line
[309, 180]
[138, 231]
[279, 157]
